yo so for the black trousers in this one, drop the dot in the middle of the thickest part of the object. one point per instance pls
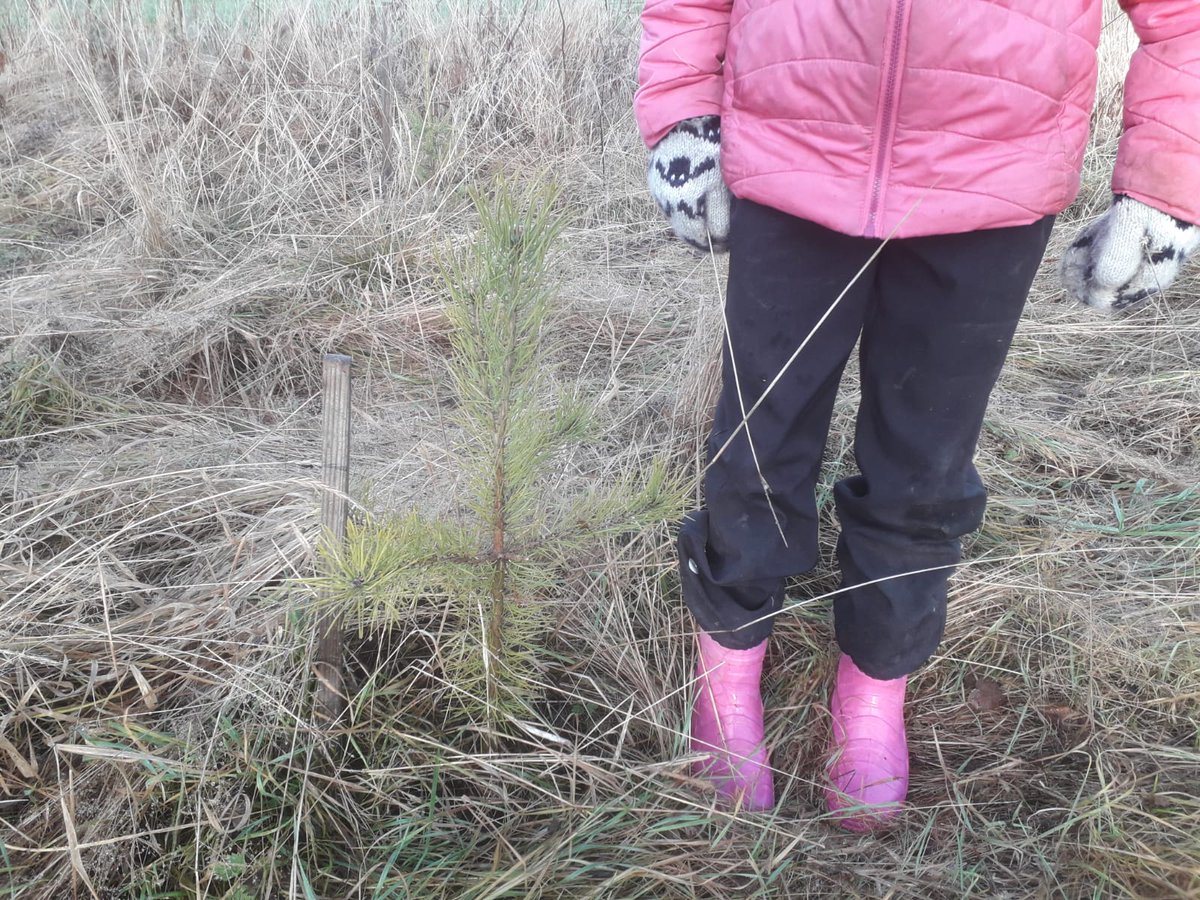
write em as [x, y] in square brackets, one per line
[936, 317]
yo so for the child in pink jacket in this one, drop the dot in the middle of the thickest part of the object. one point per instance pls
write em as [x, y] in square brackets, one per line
[890, 172]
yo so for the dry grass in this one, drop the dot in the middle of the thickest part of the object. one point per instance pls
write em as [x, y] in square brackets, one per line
[190, 215]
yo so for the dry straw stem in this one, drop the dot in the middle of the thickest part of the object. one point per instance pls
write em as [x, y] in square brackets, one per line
[190, 214]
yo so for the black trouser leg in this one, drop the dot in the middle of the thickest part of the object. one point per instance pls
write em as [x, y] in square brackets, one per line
[936, 334]
[784, 273]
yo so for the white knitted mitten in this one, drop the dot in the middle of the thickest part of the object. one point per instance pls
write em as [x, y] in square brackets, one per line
[685, 181]
[1130, 253]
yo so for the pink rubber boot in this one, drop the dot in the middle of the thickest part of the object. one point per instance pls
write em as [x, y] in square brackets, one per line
[868, 765]
[727, 724]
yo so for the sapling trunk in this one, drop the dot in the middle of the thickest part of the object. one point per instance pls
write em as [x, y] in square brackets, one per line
[495, 626]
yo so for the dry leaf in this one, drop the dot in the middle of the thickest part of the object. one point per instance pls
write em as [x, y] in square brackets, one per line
[1158, 801]
[247, 53]
[986, 696]
[1058, 713]
[26, 768]
[3, 62]
[148, 694]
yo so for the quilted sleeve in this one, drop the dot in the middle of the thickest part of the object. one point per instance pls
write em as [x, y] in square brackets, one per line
[1158, 161]
[681, 62]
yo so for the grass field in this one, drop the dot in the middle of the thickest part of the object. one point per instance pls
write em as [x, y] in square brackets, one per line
[192, 212]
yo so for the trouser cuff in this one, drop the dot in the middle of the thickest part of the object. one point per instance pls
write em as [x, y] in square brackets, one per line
[736, 617]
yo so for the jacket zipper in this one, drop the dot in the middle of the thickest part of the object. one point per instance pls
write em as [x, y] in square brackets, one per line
[884, 137]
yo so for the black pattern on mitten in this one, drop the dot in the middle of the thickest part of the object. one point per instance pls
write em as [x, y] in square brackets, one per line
[685, 180]
[1128, 254]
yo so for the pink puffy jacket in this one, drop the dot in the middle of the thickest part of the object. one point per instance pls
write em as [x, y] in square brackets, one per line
[911, 117]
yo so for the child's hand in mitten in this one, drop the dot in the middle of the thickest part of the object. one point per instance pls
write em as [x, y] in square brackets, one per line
[1128, 254]
[685, 180]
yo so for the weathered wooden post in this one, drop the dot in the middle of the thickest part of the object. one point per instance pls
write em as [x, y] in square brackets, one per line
[335, 474]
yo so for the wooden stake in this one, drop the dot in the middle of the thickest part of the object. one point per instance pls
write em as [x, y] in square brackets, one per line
[335, 473]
